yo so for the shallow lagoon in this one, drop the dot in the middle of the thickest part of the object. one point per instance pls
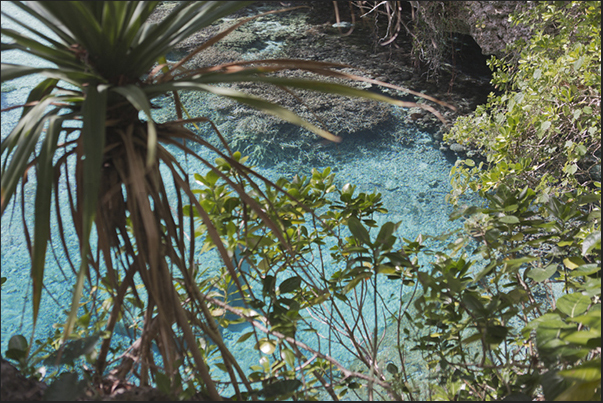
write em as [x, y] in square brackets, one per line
[413, 180]
[411, 175]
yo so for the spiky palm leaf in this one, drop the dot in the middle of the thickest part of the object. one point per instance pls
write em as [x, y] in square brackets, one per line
[103, 50]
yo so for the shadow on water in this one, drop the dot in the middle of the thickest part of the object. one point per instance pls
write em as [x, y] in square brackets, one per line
[234, 297]
[450, 156]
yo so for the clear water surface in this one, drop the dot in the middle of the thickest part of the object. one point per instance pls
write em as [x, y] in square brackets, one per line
[412, 177]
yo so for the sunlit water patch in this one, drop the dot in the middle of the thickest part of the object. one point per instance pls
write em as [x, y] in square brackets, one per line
[397, 160]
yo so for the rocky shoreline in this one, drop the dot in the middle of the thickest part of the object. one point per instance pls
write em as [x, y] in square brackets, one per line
[310, 33]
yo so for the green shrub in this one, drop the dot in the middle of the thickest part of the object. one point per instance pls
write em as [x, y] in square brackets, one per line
[528, 322]
[520, 314]
[543, 129]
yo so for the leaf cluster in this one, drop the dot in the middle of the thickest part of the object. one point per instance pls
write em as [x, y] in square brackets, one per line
[544, 128]
[495, 321]
[517, 314]
[282, 292]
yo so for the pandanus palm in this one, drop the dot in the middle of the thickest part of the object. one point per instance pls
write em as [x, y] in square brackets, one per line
[107, 72]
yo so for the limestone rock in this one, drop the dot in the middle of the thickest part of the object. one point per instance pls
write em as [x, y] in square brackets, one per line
[457, 148]
[488, 23]
[16, 387]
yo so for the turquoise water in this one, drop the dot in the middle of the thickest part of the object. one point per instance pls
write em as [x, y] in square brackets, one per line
[412, 176]
[16, 292]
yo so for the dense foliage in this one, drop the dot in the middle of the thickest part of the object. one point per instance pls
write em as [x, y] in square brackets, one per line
[543, 129]
[534, 308]
[510, 309]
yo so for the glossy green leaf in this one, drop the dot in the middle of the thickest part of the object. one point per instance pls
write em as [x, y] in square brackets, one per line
[514, 263]
[18, 342]
[589, 371]
[583, 337]
[320, 299]
[388, 270]
[358, 230]
[591, 319]
[474, 337]
[573, 262]
[290, 285]
[591, 242]
[288, 356]
[580, 392]
[354, 249]
[16, 354]
[348, 189]
[245, 337]
[539, 274]
[267, 346]
[385, 233]
[509, 219]
[585, 270]
[356, 280]
[573, 304]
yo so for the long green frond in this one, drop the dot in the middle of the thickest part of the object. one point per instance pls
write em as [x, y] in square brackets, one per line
[77, 78]
[40, 91]
[114, 14]
[181, 23]
[80, 21]
[44, 177]
[255, 102]
[55, 55]
[93, 136]
[24, 139]
[39, 12]
[339, 89]
[39, 34]
[139, 100]
[12, 71]
[260, 67]
[136, 17]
